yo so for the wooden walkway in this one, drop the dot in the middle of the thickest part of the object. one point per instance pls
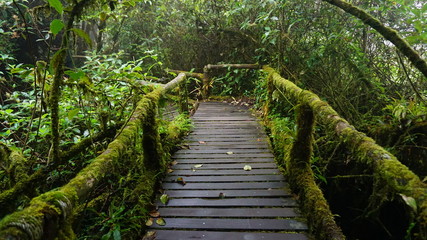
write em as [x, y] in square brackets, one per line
[220, 199]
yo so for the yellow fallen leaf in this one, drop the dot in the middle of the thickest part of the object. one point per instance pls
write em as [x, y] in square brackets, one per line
[247, 168]
[160, 221]
[149, 222]
[229, 153]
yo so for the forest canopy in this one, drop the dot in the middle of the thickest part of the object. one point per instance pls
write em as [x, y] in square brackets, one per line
[72, 73]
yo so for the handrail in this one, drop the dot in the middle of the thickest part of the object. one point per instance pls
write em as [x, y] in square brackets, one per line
[47, 213]
[390, 175]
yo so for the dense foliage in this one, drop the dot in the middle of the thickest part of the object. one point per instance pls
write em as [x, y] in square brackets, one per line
[93, 57]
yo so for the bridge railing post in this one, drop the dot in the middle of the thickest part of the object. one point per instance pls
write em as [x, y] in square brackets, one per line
[302, 148]
[151, 138]
[183, 97]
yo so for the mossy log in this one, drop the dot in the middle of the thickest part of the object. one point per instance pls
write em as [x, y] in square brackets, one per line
[391, 177]
[48, 214]
[14, 163]
[387, 32]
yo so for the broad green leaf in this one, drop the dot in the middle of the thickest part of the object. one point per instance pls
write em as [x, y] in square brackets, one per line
[160, 221]
[8, 111]
[164, 199]
[83, 35]
[247, 168]
[57, 5]
[56, 26]
[73, 113]
[117, 235]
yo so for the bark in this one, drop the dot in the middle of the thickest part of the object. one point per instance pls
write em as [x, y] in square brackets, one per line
[387, 32]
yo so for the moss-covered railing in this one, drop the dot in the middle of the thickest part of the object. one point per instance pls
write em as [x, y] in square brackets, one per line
[391, 178]
[138, 147]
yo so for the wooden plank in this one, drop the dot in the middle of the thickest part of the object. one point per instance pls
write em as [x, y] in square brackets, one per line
[261, 146]
[225, 166]
[224, 160]
[214, 179]
[209, 235]
[221, 172]
[222, 155]
[223, 151]
[228, 212]
[234, 185]
[230, 202]
[225, 140]
[228, 193]
[222, 224]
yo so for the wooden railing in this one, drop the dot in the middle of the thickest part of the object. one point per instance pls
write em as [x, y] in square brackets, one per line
[392, 179]
[50, 215]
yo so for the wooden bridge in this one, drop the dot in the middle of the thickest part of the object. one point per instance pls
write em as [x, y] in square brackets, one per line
[225, 183]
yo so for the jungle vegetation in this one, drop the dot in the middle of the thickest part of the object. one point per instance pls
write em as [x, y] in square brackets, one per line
[73, 72]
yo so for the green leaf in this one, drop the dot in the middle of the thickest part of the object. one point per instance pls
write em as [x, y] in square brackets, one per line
[83, 35]
[73, 113]
[106, 236]
[164, 199]
[117, 235]
[56, 26]
[57, 5]
[8, 111]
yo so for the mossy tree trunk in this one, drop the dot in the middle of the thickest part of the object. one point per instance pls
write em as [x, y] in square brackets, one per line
[58, 62]
[387, 32]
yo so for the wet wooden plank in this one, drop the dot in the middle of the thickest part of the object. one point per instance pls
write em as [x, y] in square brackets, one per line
[225, 151]
[228, 193]
[229, 212]
[221, 172]
[210, 235]
[224, 160]
[230, 202]
[240, 224]
[225, 166]
[222, 155]
[213, 179]
[226, 185]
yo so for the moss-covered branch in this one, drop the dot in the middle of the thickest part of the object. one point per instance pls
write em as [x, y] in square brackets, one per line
[51, 211]
[387, 32]
[391, 177]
